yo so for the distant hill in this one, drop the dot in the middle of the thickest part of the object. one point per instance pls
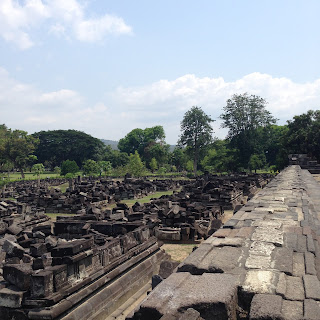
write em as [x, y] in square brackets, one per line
[114, 144]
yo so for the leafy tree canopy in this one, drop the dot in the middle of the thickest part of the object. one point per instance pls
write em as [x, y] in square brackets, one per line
[69, 166]
[135, 166]
[149, 143]
[303, 135]
[91, 167]
[243, 115]
[17, 147]
[196, 133]
[220, 158]
[57, 146]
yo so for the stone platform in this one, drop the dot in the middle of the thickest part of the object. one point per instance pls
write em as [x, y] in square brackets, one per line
[263, 264]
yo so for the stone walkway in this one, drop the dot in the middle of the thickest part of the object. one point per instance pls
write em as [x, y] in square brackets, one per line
[263, 264]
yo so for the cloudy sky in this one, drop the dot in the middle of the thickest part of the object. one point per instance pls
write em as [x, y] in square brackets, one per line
[107, 67]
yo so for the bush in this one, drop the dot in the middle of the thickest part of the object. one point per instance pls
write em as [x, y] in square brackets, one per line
[69, 166]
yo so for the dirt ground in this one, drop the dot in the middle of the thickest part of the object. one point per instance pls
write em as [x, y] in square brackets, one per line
[317, 177]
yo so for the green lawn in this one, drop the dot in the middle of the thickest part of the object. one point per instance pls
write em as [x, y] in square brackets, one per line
[53, 216]
[30, 176]
[63, 187]
[131, 202]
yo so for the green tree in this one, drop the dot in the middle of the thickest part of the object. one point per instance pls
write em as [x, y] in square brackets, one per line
[18, 148]
[149, 143]
[135, 166]
[179, 158]
[91, 167]
[153, 164]
[243, 115]
[257, 161]
[57, 146]
[196, 133]
[57, 170]
[106, 167]
[38, 169]
[220, 158]
[303, 135]
[69, 166]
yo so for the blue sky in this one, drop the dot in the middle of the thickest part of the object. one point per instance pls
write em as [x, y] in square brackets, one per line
[107, 67]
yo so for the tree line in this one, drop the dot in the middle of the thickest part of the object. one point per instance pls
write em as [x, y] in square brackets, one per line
[254, 141]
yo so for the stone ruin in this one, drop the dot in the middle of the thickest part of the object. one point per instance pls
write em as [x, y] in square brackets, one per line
[305, 162]
[82, 264]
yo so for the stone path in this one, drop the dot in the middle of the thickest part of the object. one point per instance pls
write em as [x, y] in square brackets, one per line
[263, 264]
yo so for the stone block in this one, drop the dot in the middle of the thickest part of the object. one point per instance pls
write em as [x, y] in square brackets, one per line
[211, 259]
[41, 284]
[18, 275]
[311, 309]
[38, 249]
[214, 296]
[283, 260]
[11, 297]
[294, 289]
[310, 263]
[266, 306]
[260, 281]
[268, 235]
[292, 310]
[13, 249]
[312, 287]
[298, 264]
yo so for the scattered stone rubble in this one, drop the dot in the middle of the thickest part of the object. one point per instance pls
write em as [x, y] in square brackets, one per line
[101, 255]
[304, 162]
[263, 264]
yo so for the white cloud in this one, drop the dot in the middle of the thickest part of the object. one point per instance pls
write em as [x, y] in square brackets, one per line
[26, 107]
[59, 17]
[166, 101]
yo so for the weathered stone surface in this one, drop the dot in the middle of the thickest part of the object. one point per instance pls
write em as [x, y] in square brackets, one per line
[260, 281]
[312, 287]
[42, 284]
[211, 259]
[18, 275]
[311, 309]
[298, 264]
[294, 289]
[268, 235]
[266, 306]
[292, 310]
[310, 263]
[11, 297]
[220, 242]
[261, 248]
[183, 291]
[13, 249]
[283, 260]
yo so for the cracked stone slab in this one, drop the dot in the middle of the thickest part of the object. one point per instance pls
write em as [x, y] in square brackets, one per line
[268, 235]
[209, 259]
[261, 248]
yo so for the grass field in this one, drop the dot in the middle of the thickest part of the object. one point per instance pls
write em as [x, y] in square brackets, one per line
[148, 198]
[30, 176]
